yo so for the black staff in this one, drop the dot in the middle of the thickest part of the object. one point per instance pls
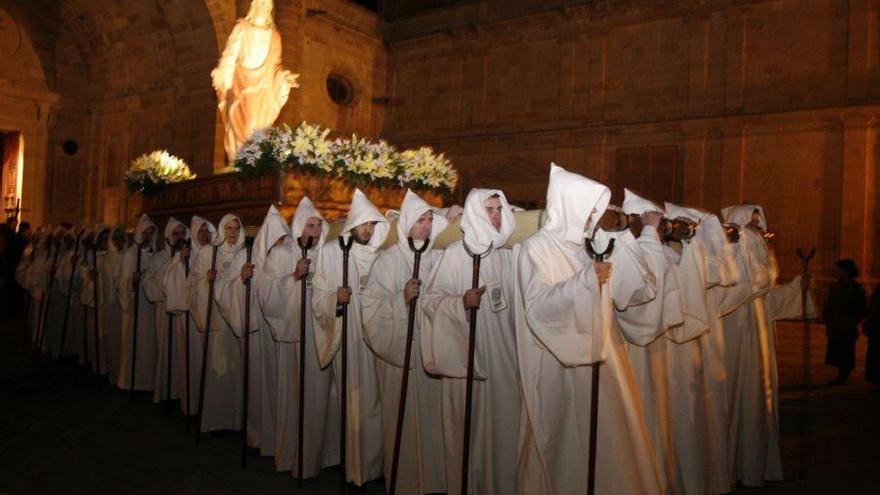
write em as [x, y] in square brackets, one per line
[186, 351]
[410, 325]
[469, 387]
[134, 326]
[594, 388]
[205, 340]
[170, 335]
[69, 293]
[27, 303]
[346, 250]
[302, 361]
[249, 245]
[805, 415]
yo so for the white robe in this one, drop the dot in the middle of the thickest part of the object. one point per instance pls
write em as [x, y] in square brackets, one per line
[364, 422]
[222, 408]
[280, 299]
[109, 316]
[644, 326]
[496, 395]
[145, 364]
[751, 360]
[421, 467]
[564, 323]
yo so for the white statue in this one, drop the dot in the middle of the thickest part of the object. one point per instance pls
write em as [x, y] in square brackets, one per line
[251, 85]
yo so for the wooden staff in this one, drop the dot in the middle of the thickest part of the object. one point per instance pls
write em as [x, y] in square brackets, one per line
[97, 322]
[134, 325]
[205, 341]
[249, 246]
[69, 293]
[47, 296]
[469, 384]
[343, 404]
[186, 350]
[404, 382]
[594, 388]
[805, 415]
[304, 246]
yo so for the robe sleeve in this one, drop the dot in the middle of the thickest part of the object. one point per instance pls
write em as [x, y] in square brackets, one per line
[199, 292]
[229, 297]
[63, 274]
[123, 280]
[87, 285]
[566, 316]
[176, 286]
[328, 326]
[785, 301]
[445, 336]
[385, 313]
[692, 296]
[642, 322]
[151, 279]
[280, 294]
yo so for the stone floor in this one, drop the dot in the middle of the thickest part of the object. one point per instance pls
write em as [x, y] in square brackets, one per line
[60, 434]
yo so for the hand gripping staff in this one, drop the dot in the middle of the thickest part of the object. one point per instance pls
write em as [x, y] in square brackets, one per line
[469, 391]
[594, 388]
[304, 246]
[205, 340]
[410, 326]
[249, 245]
[134, 326]
[343, 403]
[805, 413]
[69, 292]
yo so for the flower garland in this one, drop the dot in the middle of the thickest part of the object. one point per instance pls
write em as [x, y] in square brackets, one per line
[150, 172]
[355, 159]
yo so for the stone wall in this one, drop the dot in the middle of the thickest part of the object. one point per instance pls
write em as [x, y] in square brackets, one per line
[707, 102]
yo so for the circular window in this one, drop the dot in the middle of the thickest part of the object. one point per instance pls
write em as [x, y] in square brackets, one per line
[70, 147]
[340, 89]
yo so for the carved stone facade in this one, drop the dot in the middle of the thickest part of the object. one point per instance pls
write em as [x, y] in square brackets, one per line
[705, 102]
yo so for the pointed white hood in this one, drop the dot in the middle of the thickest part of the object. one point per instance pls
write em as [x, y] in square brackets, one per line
[571, 199]
[694, 215]
[172, 224]
[478, 231]
[410, 210]
[304, 211]
[229, 217]
[194, 226]
[361, 211]
[633, 204]
[742, 215]
[274, 227]
[143, 224]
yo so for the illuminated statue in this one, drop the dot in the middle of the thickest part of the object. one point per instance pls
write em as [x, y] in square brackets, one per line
[251, 85]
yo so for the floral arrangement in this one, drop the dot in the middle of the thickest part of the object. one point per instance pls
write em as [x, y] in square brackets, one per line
[355, 159]
[150, 172]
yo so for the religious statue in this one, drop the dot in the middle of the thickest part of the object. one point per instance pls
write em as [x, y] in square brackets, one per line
[251, 85]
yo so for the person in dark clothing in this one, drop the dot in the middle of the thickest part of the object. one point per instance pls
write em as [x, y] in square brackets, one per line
[844, 310]
[872, 331]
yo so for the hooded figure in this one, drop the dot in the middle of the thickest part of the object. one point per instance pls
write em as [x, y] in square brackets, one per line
[182, 304]
[28, 273]
[110, 244]
[750, 349]
[175, 236]
[43, 287]
[364, 427]
[126, 272]
[280, 292]
[704, 267]
[229, 295]
[222, 408]
[487, 224]
[657, 318]
[83, 277]
[421, 467]
[564, 324]
[71, 291]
